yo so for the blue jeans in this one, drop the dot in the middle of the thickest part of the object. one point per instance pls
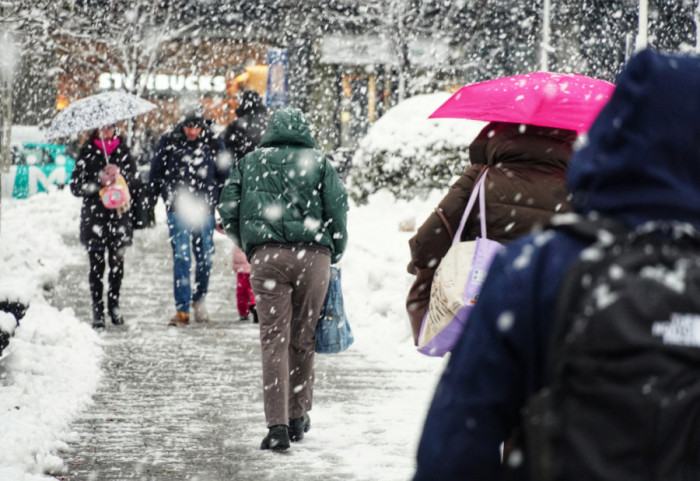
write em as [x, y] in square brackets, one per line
[202, 240]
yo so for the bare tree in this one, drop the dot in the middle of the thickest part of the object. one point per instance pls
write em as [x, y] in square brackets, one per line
[131, 38]
[400, 22]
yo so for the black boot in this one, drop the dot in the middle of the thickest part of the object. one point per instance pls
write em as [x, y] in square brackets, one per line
[254, 312]
[299, 426]
[116, 315]
[98, 314]
[277, 438]
[98, 320]
[116, 272]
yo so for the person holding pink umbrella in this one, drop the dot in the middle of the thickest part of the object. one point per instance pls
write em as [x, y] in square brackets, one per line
[525, 168]
[524, 154]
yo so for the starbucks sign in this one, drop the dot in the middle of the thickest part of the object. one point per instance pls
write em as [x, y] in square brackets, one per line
[164, 82]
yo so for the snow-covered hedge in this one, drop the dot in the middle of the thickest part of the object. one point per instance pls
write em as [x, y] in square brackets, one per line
[407, 153]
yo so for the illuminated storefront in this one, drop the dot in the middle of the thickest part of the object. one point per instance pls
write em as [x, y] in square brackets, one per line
[367, 71]
[210, 72]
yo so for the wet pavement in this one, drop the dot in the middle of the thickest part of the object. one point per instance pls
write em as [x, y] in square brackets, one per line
[186, 404]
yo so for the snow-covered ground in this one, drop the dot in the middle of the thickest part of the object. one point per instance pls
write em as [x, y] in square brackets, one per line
[52, 365]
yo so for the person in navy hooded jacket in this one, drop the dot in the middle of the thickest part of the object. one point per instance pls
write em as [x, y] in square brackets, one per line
[641, 163]
[188, 170]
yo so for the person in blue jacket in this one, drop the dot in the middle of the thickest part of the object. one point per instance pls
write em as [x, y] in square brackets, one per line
[188, 170]
[641, 163]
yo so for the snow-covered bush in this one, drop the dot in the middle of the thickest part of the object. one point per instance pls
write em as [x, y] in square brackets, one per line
[407, 153]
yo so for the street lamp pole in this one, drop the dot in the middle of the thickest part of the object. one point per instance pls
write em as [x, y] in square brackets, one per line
[8, 60]
[641, 42]
[696, 17]
[546, 29]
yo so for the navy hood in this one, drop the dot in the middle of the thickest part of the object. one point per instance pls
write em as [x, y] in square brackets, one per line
[642, 158]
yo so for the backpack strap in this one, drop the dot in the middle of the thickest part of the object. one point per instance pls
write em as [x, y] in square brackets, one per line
[594, 229]
[601, 229]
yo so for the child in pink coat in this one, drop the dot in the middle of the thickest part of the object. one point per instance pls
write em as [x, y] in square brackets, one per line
[244, 292]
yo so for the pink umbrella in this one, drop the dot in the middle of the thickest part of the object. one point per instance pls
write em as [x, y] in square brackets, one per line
[567, 101]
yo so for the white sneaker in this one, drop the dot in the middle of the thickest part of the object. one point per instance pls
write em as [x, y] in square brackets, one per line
[200, 312]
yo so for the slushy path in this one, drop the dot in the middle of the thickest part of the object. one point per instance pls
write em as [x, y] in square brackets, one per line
[186, 404]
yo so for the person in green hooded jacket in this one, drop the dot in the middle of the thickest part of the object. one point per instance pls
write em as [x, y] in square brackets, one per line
[286, 207]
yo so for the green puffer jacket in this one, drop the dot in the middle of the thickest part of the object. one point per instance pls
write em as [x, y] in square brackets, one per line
[285, 192]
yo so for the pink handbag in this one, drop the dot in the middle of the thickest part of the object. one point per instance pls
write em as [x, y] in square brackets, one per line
[115, 195]
[457, 283]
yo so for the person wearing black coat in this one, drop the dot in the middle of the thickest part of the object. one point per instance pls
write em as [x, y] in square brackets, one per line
[104, 232]
[188, 171]
[243, 135]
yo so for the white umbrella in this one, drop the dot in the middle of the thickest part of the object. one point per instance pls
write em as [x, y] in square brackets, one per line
[96, 111]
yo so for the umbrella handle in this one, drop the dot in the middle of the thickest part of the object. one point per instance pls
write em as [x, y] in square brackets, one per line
[104, 147]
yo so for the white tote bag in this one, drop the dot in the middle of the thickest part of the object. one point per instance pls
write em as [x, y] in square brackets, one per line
[457, 283]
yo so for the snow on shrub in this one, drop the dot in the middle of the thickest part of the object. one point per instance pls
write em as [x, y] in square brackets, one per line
[408, 154]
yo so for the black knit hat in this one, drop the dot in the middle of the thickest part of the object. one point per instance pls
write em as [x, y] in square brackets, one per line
[194, 117]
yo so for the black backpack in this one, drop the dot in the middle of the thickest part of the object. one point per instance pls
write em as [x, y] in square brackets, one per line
[623, 395]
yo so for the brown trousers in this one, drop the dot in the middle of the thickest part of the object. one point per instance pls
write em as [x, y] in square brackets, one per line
[290, 286]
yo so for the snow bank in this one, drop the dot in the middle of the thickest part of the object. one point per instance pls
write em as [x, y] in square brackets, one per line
[51, 367]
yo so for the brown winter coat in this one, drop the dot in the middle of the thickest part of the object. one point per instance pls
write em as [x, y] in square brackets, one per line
[524, 187]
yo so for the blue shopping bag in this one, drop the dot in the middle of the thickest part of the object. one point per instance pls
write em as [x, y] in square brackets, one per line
[333, 333]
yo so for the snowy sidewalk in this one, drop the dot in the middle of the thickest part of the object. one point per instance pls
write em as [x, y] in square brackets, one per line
[187, 403]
